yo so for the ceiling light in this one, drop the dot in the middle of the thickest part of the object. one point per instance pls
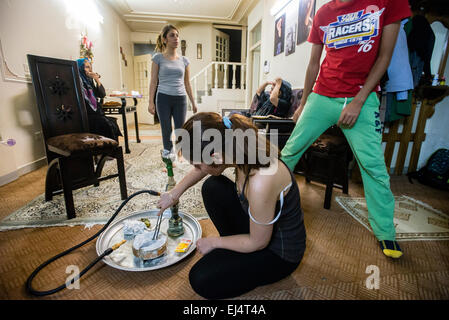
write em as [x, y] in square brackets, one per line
[85, 11]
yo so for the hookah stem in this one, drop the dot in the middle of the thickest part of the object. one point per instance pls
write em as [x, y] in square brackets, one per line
[175, 227]
[158, 226]
[105, 253]
[171, 183]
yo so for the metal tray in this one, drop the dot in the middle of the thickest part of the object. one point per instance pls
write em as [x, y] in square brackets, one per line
[124, 259]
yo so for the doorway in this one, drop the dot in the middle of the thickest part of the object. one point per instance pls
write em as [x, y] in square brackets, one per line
[254, 62]
[234, 52]
[142, 74]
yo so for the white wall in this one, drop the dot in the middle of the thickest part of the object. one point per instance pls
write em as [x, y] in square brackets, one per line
[194, 33]
[293, 68]
[437, 129]
[44, 27]
[144, 37]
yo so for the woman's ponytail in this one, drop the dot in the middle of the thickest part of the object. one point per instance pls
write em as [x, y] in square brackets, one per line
[241, 122]
[159, 44]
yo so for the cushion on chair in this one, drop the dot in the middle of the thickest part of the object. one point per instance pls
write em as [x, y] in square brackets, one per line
[69, 144]
[254, 103]
[112, 104]
[329, 144]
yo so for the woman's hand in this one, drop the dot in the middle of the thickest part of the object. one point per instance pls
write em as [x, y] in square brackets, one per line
[166, 201]
[195, 108]
[151, 108]
[93, 75]
[96, 76]
[206, 245]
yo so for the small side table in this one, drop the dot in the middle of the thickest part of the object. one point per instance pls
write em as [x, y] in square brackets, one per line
[123, 110]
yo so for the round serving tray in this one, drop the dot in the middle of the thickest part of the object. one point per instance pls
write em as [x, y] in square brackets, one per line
[124, 259]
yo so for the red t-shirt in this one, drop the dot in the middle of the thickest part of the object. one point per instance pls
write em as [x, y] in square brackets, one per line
[351, 32]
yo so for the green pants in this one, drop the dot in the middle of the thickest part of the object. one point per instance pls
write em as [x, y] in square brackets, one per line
[365, 139]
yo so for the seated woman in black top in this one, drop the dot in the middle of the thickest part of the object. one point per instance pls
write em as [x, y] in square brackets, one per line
[99, 123]
[277, 101]
[259, 217]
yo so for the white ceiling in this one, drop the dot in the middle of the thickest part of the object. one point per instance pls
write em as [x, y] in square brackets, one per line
[152, 15]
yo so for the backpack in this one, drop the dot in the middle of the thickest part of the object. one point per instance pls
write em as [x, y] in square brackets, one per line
[436, 171]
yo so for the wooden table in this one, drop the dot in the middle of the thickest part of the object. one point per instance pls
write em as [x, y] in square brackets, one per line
[123, 109]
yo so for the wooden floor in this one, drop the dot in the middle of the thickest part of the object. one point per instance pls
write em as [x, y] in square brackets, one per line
[339, 250]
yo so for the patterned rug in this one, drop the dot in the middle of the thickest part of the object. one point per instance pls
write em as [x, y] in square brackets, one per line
[94, 205]
[413, 220]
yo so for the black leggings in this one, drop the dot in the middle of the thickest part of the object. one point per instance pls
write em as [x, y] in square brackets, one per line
[169, 107]
[224, 273]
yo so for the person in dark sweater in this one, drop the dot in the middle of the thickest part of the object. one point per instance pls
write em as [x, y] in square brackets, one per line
[275, 102]
[262, 237]
[93, 92]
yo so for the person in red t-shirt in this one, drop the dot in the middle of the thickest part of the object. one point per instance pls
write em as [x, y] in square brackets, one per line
[359, 38]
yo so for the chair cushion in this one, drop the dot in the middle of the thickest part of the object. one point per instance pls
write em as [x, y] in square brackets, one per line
[73, 143]
[112, 104]
[329, 144]
[254, 103]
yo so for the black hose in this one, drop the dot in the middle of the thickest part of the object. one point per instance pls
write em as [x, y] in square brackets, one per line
[108, 251]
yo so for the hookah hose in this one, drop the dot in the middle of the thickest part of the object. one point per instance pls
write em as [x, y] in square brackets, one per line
[108, 251]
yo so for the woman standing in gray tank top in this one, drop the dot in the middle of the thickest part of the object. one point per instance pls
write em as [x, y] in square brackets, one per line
[170, 75]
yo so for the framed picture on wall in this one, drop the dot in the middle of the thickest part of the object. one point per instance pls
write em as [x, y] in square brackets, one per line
[290, 39]
[291, 21]
[279, 34]
[306, 12]
[199, 51]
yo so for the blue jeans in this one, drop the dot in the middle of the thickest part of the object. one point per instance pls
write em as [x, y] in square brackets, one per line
[169, 107]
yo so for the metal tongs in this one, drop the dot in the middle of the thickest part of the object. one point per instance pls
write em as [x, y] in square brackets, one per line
[158, 226]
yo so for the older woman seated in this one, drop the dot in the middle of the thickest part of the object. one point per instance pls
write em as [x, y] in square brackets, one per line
[93, 90]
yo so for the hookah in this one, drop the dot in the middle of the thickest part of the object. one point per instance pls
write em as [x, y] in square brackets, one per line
[175, 223]
[108, 251]
[175, 229]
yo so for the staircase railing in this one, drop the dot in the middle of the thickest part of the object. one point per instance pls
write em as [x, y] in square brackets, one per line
[219, 75]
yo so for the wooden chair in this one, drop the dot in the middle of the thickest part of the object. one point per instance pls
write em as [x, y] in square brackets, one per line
[326, 161]
[69, 146]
